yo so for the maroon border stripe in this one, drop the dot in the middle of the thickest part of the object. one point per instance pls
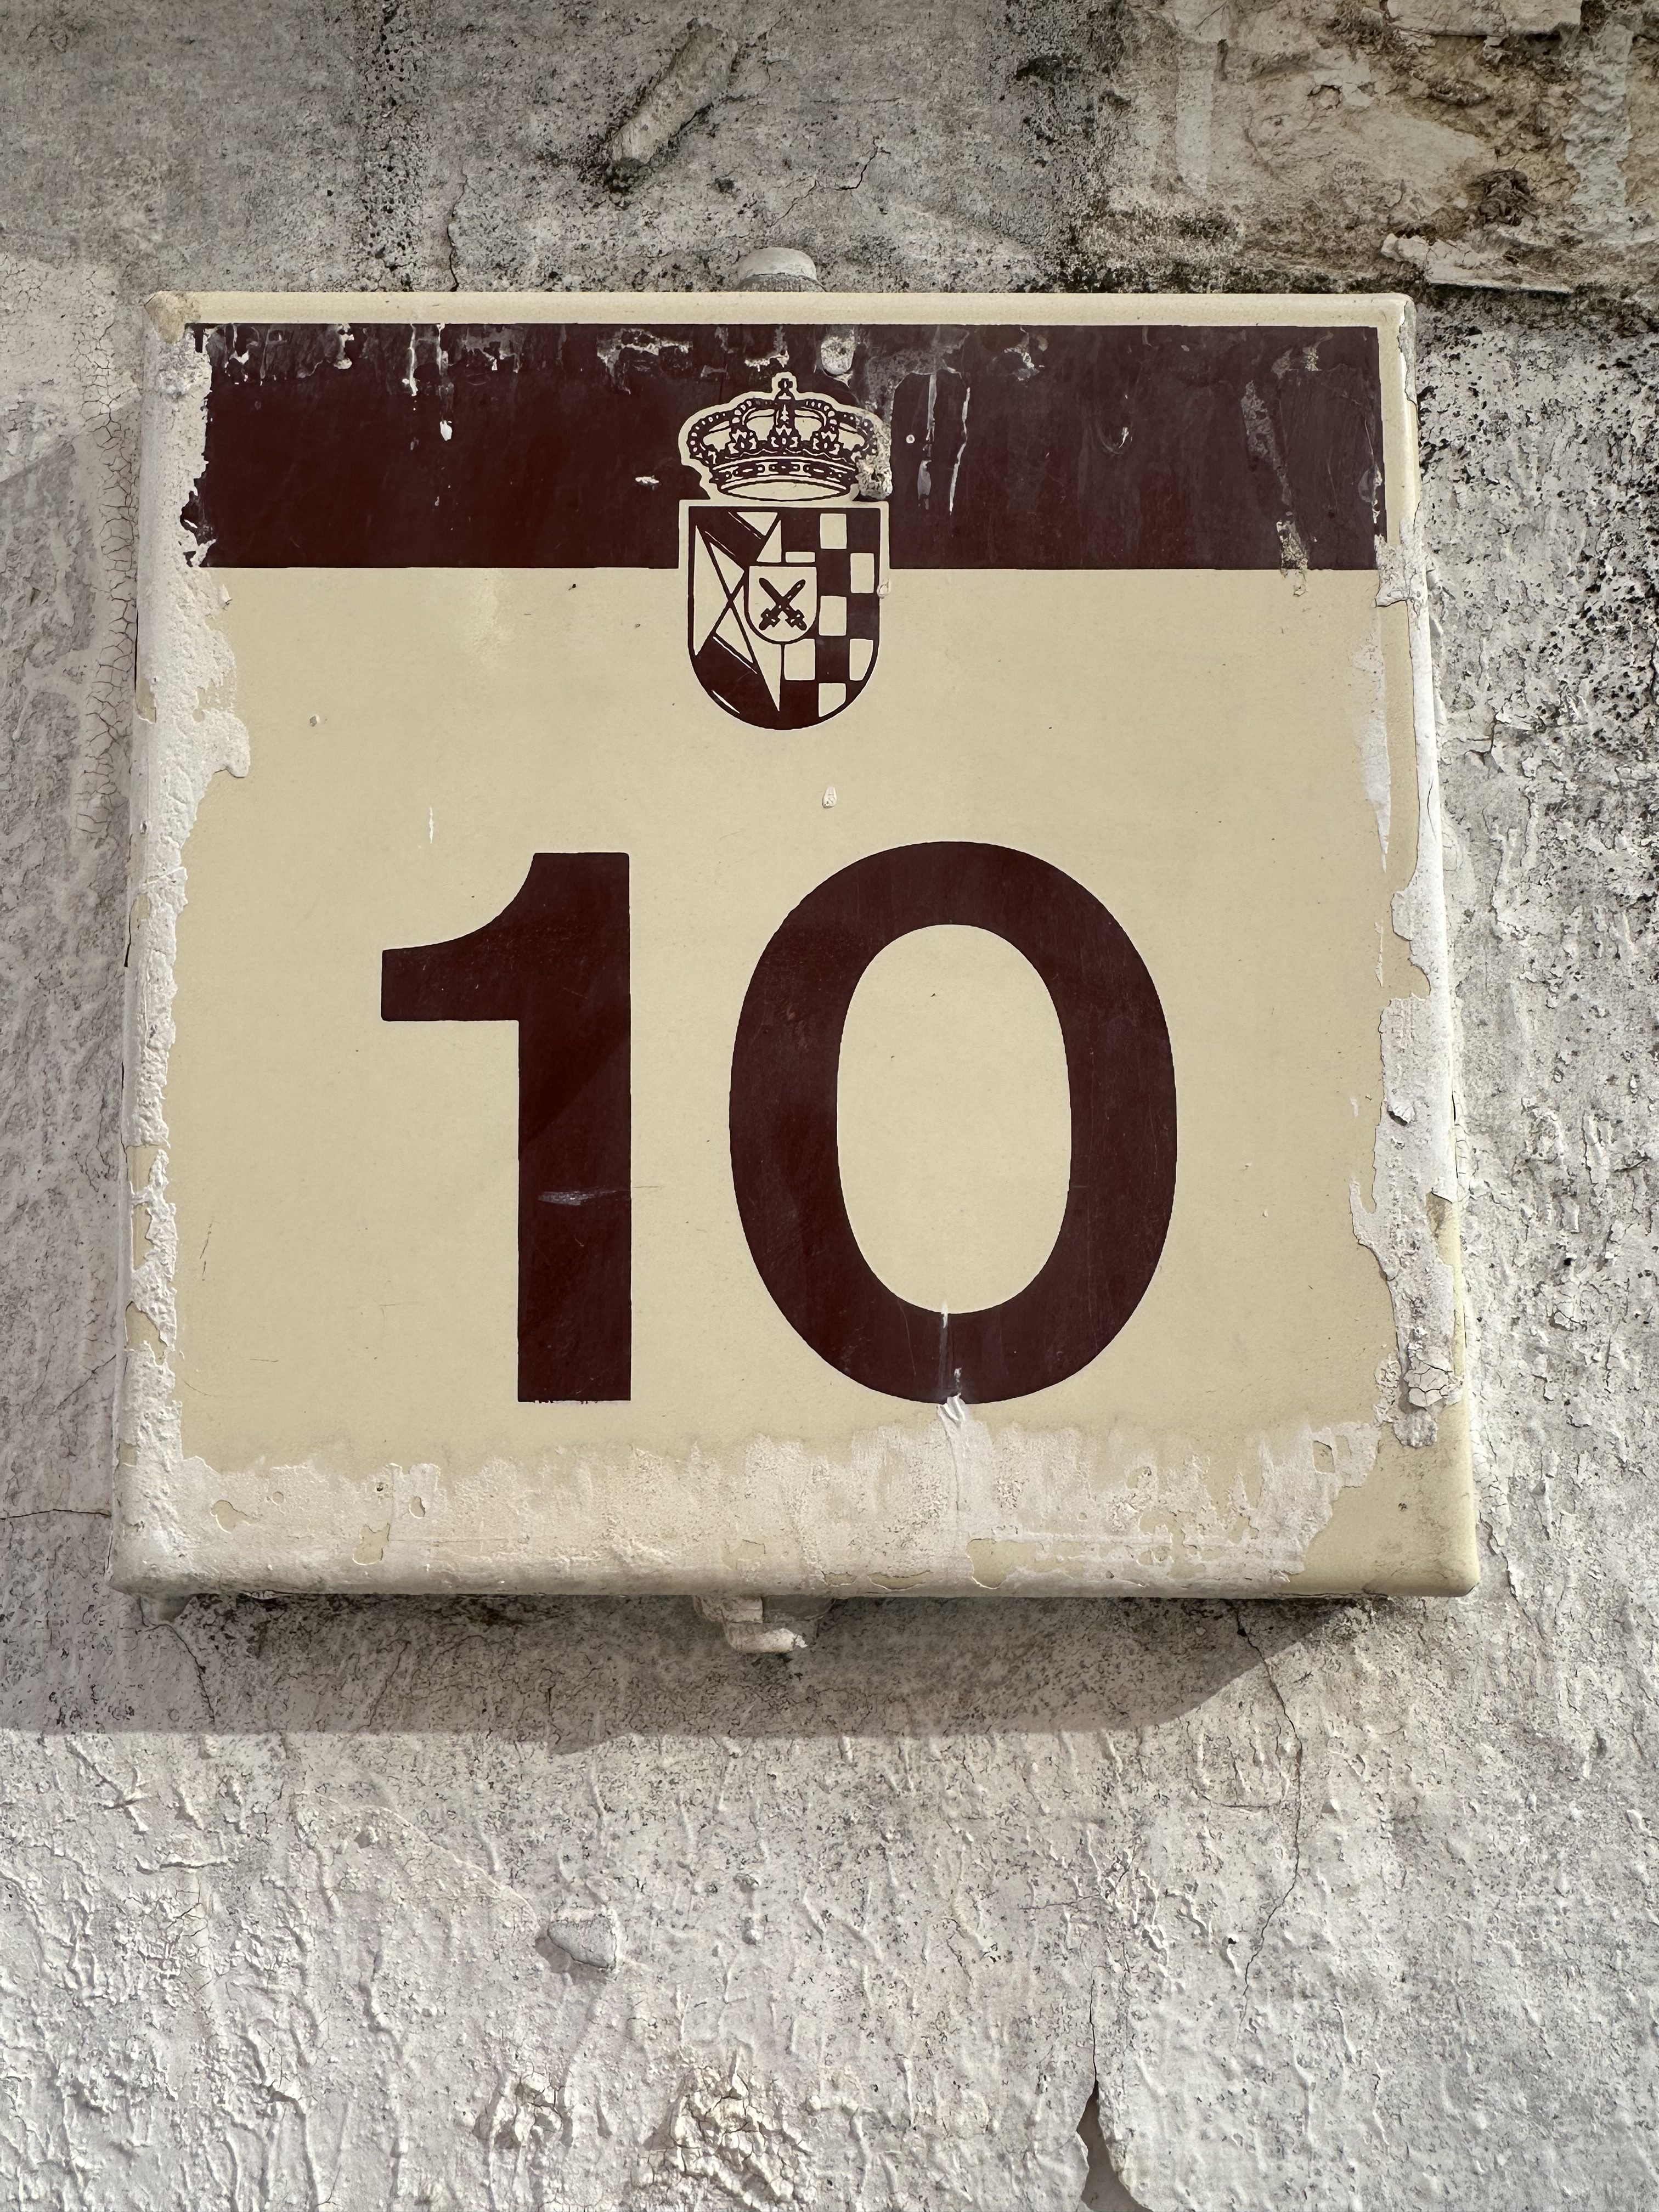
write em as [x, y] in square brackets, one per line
[382, 445]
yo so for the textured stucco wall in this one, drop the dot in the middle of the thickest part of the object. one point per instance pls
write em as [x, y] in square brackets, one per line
[490, 1905]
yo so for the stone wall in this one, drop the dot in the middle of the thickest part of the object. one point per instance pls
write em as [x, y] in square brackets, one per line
[486, 1905]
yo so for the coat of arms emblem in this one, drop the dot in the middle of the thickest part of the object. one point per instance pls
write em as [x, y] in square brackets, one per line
[784, 562]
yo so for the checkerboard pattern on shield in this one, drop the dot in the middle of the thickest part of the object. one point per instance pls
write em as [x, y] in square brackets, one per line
[823, 671]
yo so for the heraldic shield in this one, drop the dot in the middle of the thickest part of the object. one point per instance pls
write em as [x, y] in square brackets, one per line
[785, 609]
[784, 563]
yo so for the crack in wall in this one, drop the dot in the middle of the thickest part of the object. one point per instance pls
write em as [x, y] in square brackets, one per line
[1285, 1894]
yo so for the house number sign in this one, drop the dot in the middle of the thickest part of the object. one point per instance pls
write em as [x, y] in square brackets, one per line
[787, 948]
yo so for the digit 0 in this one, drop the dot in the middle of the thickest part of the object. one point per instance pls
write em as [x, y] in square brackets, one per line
[786, 1167]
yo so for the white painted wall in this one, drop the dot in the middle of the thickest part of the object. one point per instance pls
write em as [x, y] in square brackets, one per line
[568, 1905]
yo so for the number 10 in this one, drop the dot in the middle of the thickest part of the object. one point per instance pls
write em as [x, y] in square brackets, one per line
[556, 961]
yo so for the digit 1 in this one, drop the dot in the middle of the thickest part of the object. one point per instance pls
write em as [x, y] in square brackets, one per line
[555, 961]
[786, 1166]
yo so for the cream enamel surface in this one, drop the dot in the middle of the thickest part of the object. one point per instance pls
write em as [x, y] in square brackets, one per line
[954, 1133]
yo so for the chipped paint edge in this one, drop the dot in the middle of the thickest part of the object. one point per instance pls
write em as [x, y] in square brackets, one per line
[1411, 1228]
[183, 735]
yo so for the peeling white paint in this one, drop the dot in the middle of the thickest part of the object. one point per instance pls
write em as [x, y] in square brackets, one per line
[1415, 1170]
[727, 2138]
[946, 1507]
[188, 734]
[1372, 738]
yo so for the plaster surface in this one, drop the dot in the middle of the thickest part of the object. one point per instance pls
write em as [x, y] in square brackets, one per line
[492, 1904]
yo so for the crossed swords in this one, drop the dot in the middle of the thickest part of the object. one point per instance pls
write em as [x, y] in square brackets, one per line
[783, 607]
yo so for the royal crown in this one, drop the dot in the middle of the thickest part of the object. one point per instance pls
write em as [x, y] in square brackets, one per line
[786, 444]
